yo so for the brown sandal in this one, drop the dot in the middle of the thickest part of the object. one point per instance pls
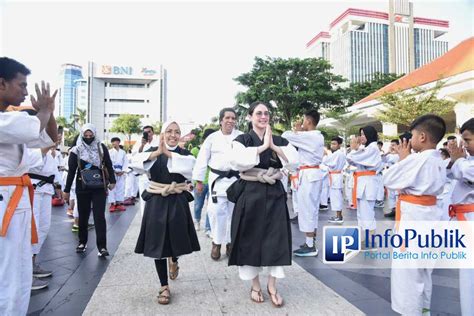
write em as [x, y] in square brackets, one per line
[162, 298]
[260, 295]
[174, 269]
[274, 298]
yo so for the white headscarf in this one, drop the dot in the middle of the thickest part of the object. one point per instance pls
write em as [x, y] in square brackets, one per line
[89, 153]
[163, 130]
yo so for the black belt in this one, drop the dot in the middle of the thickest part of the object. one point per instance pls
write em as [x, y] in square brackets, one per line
[43, 179]
[221, 174]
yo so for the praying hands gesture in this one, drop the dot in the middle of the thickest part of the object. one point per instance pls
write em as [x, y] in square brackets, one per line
[355, 143]
[162, 149]
[404, 149]
[456, 151]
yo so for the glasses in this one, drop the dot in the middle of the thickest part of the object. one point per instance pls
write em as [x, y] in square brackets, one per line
[260, 113]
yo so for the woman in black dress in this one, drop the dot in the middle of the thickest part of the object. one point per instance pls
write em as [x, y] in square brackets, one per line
[261, 233]
[167, 229]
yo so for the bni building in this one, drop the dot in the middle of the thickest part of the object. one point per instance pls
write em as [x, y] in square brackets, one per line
[114, 89]
[360, 42]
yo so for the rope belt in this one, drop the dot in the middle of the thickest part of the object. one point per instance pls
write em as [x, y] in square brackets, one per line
[269, 175]
[166, 189]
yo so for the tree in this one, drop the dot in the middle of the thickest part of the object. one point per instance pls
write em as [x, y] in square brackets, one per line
[80, 117]
[403, 107]
[346, 122]
[157, 127]
[290, 83]
[359, 90]
[127, 124]
[70, 131]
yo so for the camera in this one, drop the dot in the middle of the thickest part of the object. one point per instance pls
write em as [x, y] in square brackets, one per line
[145, 136]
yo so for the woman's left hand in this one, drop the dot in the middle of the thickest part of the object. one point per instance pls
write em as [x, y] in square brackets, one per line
[163, 147]
[111, 186]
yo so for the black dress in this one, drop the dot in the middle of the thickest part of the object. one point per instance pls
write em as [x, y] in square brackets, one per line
[260, 229]
[167, 226]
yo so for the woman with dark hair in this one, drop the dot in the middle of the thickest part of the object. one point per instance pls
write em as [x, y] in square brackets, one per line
[365, 156]
[167, 229]
[90, 154]
[260, 230]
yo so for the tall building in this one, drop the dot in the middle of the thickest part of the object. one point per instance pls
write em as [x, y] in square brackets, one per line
[123, 89]
[358, 42]
[67, 93]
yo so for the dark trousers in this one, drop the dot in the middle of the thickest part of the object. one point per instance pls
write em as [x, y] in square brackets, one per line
[162, 269]
[95, 201]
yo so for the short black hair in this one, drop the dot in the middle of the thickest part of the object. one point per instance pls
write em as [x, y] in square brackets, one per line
[115, 139]
[445, 144]
[445, 152]
[396, 141]
[337, 139]
[148, 126]
[431, 124]
[451, 137]
[9, 68]
[468, 126]
[207, 132]
[380, 143]
[313, 115]
[222, 113]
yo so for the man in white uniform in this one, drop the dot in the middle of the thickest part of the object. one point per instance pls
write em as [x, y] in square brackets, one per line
[389, 160]
[310, 144]
[215, 153]
[119, 163]
[18, 130]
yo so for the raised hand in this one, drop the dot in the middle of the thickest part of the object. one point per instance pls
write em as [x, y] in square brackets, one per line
[267, 139]
[298, 126]
[456, 151]
[355, 143]
[404, 149]
[164, 149]
[44, 101]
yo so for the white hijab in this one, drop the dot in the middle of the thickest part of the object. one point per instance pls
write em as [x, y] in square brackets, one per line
[89, 153]
[163, 130]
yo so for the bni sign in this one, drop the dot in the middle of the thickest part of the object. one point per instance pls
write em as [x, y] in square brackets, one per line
[116, 70]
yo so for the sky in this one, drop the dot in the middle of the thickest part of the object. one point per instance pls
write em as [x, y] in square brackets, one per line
[203, 45]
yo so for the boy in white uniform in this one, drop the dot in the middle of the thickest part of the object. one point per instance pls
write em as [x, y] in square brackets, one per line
[310, 144]
[419, 177]
[389, 160]
[336, 162]
[120, 164]
[462, 169]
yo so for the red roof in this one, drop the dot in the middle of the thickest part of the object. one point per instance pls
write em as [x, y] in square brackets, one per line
[318, 36]
[456, 61]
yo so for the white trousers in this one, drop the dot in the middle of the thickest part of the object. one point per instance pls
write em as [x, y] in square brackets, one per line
[42, 212]
[118, 193]
[324, 191]
[380, 188]
[220, 218]
[392, 198]
[142, 185]
[294, 200]
[336, 199]
[16, 269]
[131, 185]
[309, 194]
[366, 214]
[411, 290]
[250, 272]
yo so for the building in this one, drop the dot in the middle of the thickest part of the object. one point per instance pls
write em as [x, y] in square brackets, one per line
[67, 93]
[455, 69]
[81, 94]
[360, 42]
[113, 90]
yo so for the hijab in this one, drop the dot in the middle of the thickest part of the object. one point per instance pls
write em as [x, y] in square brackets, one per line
[370, 134]
[163, 130]
[88, 152]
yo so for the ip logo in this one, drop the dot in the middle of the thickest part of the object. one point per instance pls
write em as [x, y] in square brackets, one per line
[340, 244]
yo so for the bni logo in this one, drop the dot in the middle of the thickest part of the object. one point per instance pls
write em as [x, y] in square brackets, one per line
[340, 244]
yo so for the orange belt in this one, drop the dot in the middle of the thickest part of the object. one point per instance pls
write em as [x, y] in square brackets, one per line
[459, 210]
[308, 167]
[294, 180]
[358, 174]
[425, 200]
[330, 175]
[20, 183]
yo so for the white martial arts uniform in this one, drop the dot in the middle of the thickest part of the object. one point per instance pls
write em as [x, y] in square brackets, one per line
[294, 188]
[463, 172]
[336, 162]
[366, 159]
[131, 183]
[215, 152]
[389, 160]
[18, 130]
[143, 179]
[325, 186]
[310, 146]
[120, 164]
[380, 188]
[421, 173]
[43, 195]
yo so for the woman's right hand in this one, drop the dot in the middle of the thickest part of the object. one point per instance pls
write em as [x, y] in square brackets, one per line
[267, 140]
[66, 197]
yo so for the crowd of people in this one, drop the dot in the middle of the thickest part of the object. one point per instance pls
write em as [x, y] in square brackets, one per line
[241, 178]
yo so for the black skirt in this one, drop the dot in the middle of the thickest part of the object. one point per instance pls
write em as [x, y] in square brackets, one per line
[260, 230]
[167, 227]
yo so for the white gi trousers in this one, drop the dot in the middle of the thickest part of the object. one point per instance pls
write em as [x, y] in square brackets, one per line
[142, 185]
[118, 193]
[392, 198]
[336, 199]
[294, 200]
[16, 269]
[220, 218]
[466, 284]
[325, 191]
[366, 214]
[308, 195]
[131, 185]
[250, 272]
[380, 188]
[42, 212]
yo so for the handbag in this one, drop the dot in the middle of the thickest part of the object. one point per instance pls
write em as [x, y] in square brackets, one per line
[94, 178]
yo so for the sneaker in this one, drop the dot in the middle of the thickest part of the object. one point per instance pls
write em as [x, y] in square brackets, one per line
[112, 208]
[208, 233]
[197, 226]
[306, 251]
[391, 214]
[40, 272]
[75, 228]
[323, 207]
[336, 220]
[379, 204]
[38, 284]
[103, 253]
[90, 226]
[81, 248]
[294, 219]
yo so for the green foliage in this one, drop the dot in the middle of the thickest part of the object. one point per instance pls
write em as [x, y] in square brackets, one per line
[346, 122]
[127, 124]
[359, 90]
[403, 107]
[290, 83]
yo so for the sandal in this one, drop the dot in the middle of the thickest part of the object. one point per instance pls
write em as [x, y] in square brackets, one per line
[260, 295]
[274, 298]
[174, 269]
[164, 299]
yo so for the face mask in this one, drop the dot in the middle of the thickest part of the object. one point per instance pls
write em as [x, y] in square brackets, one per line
[88, 141]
